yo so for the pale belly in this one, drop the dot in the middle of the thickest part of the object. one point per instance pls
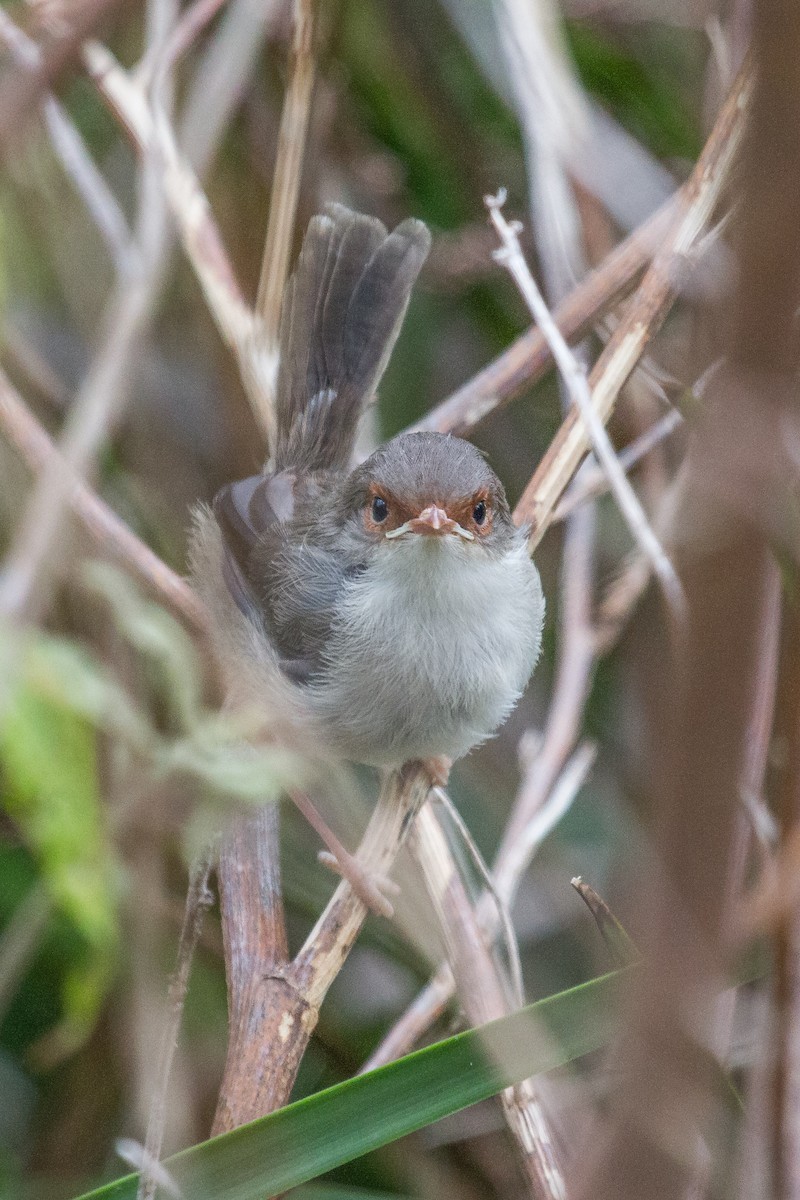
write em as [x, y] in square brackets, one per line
[430, 651]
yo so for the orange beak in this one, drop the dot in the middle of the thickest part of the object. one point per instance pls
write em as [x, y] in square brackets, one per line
[432, 520]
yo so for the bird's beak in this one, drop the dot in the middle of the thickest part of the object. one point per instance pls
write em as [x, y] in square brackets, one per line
[432, 520]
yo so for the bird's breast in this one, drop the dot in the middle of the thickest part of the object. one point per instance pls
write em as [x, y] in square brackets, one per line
[430, 647]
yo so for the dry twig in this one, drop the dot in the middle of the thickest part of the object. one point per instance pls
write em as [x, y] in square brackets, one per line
[528, 358]
[97, 406]
[107, 530]
[510, 255]
[285, 187]
[74, 156]
[198, 231]
[594, 483]
[646, 311]
[482, 995]
[432, 1001]
[198, 901]
[277, 1004]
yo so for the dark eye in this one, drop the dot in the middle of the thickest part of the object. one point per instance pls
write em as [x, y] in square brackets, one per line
[380, 509]
[479, 512]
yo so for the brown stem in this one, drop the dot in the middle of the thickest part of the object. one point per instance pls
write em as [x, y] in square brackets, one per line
[528, 358]
[286, 180]
[254, 937]
[482, 995]
[646, 312]
[274, 1008]
[106, 529]
[198, 900]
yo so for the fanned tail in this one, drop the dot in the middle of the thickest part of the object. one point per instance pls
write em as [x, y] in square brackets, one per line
[342, 312]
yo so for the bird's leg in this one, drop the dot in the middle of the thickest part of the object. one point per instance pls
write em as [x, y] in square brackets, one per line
[439, 769]
[369, 888]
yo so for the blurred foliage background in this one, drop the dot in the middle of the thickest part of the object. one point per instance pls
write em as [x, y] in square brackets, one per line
[109, 777]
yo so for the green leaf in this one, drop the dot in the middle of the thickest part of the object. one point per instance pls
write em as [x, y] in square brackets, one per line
[49, 762]
[302, 1141]
[332, 1191]
[64, 673]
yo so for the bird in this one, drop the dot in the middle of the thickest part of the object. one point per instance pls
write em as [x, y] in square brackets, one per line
[378, 613]
[390, 610]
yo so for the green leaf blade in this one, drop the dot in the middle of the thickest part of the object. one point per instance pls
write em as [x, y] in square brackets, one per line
[306, 1139]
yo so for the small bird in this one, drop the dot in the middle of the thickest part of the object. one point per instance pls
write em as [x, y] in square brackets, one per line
[391, 610]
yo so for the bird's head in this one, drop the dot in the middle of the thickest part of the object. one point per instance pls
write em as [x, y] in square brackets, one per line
[427, 486]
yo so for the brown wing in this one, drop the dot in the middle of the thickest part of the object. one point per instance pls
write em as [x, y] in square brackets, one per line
[277, 575]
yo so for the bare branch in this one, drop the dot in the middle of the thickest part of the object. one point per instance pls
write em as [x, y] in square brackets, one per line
[529, 358]
[97, 406]
[216, 86]
[646, 312]
[198, 901]
[594, 483]
[575, 379]
[432, 1001]
[106, 529]
[188, 28]
[280, 1007]
[22, 90]
[199, 234]
[286, 180]
[482, 995]
[618, 942]
[74, 156]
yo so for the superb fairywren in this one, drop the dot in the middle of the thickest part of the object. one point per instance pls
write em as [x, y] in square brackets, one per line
[390, 612]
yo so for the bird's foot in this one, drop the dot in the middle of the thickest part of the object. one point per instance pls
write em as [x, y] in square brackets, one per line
[370, 888]
[439, 769]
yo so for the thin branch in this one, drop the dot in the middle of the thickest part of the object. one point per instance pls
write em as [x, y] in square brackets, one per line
[74, 156]
[510, 255]
[26, 358]
[96, 408]
[102, 395]
[188, 28]
[338, 859]
[619, 943]
[222, 70]
[432, 1001]
[198, 901]
[529, 358]
[22, 90]
[594, 482]
[107, 530]
[320, 959]
[646, 311]
[198, 231]
[570, 692]
[513, 865]
[279, 1005]
[553, 117]
[482, 995]
[286, 179]
[501, 916]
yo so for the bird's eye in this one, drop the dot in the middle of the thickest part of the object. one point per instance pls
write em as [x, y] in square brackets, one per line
[380, 509]
[479, 512]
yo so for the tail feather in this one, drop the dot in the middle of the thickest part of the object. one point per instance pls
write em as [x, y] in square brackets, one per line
[359, 243]
[342, 312]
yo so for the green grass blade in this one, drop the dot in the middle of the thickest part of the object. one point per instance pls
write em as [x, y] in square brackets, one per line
[323, 1131]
